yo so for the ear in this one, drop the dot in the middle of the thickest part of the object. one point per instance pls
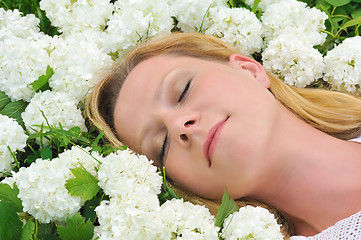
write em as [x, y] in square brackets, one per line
[255, 68]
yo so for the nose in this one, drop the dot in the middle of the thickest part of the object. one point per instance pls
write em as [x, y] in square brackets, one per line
[181, 126]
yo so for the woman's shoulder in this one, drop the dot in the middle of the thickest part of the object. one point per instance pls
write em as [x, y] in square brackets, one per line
[348, 228]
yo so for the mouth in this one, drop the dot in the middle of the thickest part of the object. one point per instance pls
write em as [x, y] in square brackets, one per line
[212, 139]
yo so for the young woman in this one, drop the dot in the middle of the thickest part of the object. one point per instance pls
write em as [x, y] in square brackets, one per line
[216, 119]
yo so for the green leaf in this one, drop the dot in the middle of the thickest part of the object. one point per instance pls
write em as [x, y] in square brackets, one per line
[28, 231]
[9, 196]
[42, 83]
[227, 207]
[46, 153]
[356, 13]
[14, 110]
[352, 22]
[47, 231]
[76, 228]
[4, 100]
[10, 224]
[83, 185]
[337, 3]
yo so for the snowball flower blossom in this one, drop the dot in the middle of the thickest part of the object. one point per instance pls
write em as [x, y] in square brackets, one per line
[78, 65]
[135, 216]
[78, 15]
[188, 221]
[288, 57]
[294, 17]
[22, 61]
[251, 223]
[123, 173]
[343, 66]
[57, 107]
[190, 13]
[12, 24]
[42, 185]
[12, 135]
[238, 26]
[134, 20]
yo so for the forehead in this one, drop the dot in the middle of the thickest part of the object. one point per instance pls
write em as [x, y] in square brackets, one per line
[136, 98]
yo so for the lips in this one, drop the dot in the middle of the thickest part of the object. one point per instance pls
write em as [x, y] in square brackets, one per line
[212, 139]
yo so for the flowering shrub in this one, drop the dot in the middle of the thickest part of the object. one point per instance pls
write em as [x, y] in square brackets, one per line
[59, 179]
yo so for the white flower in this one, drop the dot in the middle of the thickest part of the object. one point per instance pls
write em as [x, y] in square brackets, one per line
[78, 65]
[78, 15]
[12, 135]
[238, 26]
[136, 217]
[290, 58]
[343, 66]
[294, 17]
[124, 173]
[22, 61]
[251, 223]
[57, 107]
[191, 14]
[188, 221]
[42, 185]
[12, 24]
[134, 20]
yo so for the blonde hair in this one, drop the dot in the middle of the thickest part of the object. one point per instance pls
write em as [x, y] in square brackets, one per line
[334, 113]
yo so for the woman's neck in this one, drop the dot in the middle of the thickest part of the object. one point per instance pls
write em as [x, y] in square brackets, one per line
[317, 178]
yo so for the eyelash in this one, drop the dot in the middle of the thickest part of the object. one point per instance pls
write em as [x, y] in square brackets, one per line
[183, 94]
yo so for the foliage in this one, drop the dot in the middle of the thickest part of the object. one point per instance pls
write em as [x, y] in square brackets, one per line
[344, 20]
[227, 207]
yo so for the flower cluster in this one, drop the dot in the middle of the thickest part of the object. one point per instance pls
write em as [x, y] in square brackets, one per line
[343, 66]
[42, 185]
[251, 223]
[291, 29]
[12, 136]
[238, 26]
[134, 212]
[52, 108]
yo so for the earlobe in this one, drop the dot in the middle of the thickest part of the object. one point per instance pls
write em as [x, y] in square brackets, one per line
[255, 68]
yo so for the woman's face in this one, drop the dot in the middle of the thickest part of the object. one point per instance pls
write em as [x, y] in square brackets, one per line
[207, 122]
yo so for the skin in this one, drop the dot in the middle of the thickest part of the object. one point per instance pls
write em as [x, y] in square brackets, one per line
[260, 151]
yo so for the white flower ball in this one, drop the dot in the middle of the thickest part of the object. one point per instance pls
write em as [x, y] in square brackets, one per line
[134, 20]
[57, 107]
[22, 61]
[343, 66]
[288, 57]
[42, 185]
[13, 24]
[191, 14]
[188, 221]
[296, 18]
[134, 217]
[12, 135]
[251, 223]
[78, 15]
[78, 65]
[238, 26]
[123, 173]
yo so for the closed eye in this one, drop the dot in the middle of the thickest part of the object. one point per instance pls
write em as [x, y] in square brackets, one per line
[162, 152]
[186, 88]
